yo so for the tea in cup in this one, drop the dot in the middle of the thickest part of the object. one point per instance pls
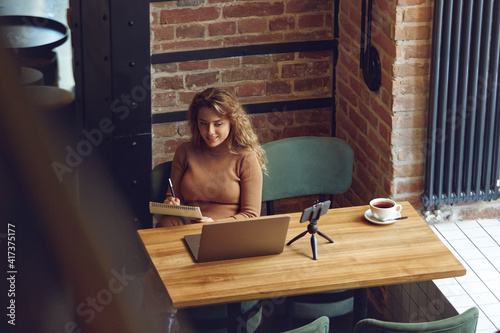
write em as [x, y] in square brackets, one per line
[383, 208]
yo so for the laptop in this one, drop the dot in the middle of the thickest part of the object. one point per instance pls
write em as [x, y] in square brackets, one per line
[239, 239]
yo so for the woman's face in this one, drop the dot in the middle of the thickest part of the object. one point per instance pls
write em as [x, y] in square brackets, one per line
[213, 129]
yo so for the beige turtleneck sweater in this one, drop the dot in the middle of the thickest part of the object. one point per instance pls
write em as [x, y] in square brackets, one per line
[224, 185]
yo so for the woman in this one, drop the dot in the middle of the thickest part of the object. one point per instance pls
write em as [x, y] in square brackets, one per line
[220, 168]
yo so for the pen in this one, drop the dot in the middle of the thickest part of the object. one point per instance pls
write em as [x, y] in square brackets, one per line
[171, 188]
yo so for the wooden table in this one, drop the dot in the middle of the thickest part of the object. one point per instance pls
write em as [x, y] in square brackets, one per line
[363, 255]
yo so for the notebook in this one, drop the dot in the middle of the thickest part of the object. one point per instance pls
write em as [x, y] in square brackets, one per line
[239, 239]
[174, 210]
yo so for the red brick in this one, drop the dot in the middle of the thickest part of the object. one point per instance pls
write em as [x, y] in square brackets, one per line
[168, 68]
[346, 92]
[315, 55]
[222, 29]
[283, 57]
[281, 119]
[307, 35]
[359, 120]
[188, 15]
[278, 88]
[410, 2]
[190, 31]
[411, 85]
[254, 25]
[386, 45]
[409, 170]
[172, 144]
[250, 89]
[417, 14]
[224, 62]
[410, 154]
[413, 102]
[253, 39]
[201, 80]
[318, 130]
[409, 186]
[304, 6]
[164, 130]
[411, 68]
[314, 116]
[282, 23]
[320, 68]
[158, 147]
[154, 18]
[412, 51]
[169, 83]
[163, 33]
[359, 87]
[408, 137]
[191, 45]
[193, 65]
[253, 9]
[185, 98]
[412, 32]
[308, 84]
[163, 99]
[294, 70]
[411, 120]
[244, 73]
[256, 59]
[309, 21]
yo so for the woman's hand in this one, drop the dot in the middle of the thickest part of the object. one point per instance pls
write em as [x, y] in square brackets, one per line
[203, 219]
[172, 201]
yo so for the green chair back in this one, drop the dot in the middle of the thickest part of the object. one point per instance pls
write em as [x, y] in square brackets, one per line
[463, 323]
[159, 181]
[320, 325]
[222, 318]
[307, 165]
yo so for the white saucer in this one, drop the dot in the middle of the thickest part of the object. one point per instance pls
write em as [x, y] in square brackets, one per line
[373, 219]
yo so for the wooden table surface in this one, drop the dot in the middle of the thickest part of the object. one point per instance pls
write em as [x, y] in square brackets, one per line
[363, 255]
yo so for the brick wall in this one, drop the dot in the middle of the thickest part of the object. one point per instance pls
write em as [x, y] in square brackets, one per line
[195, 25]
[386, 128]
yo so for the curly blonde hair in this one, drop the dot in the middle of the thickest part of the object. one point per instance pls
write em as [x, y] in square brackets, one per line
[242, 134]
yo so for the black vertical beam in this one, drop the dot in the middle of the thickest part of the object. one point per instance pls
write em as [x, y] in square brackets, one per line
[131, 104]
[112, 75]
[92, 59]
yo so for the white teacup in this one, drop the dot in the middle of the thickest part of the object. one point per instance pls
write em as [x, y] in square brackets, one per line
[383, 208]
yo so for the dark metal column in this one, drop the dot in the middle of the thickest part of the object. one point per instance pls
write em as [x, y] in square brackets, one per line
[113, 95]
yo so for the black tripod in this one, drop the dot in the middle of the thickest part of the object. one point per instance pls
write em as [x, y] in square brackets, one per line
[312, 215]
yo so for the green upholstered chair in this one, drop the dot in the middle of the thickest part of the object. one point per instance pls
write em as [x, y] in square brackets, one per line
[302, 166]
[462, 323]
[306, 165]
[222, 318]
[320, 325]
[159, 181]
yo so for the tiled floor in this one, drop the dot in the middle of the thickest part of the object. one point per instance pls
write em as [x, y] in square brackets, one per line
[477, 245]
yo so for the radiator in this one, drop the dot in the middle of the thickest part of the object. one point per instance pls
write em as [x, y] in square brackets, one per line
[462, 148]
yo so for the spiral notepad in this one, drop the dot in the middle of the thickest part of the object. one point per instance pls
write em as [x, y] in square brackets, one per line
[174, 210]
